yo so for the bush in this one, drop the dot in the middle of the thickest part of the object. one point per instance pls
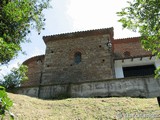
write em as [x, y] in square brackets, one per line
[15, 78]
[5, 104]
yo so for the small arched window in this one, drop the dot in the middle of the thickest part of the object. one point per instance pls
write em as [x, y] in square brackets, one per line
[127, 54]
[77, 57]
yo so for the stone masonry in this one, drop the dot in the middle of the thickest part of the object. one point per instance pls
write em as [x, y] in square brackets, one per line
[96, 61]
[129, 47]
[82, 64]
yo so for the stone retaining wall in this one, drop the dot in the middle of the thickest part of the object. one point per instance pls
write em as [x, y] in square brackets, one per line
[145, 87]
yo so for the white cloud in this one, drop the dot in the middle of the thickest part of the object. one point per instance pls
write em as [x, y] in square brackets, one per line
[5, 69]
[74, 15]
[92, 14]
[36, 51]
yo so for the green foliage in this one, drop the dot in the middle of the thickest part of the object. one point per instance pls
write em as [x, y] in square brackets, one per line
[157, 73]
[5, 103]
[17, 18]
[144, 16]
[15, 78]
[8, 50]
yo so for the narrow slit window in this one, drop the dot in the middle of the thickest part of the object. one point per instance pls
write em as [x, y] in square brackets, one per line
[77, 57]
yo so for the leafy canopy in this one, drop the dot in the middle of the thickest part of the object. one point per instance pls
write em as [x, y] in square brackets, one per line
[15, 77]
[17, 18]
[144, 16]
[5, 104]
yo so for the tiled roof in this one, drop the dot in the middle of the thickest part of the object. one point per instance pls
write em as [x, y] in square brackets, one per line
[131, 46]
[78, 34]
[126, 40]
[34, 58]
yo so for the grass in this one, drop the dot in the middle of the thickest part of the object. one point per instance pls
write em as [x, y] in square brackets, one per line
[126, 108]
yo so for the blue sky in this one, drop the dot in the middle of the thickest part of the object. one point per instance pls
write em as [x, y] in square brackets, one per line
[74, 15]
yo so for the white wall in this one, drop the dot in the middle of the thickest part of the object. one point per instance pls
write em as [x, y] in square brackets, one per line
[119, 64]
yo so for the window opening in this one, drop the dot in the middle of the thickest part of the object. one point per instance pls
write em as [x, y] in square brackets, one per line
[139, 70]
[127, 54]
[77, 57]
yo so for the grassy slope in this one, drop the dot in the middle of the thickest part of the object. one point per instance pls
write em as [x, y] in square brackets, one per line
[28, 108]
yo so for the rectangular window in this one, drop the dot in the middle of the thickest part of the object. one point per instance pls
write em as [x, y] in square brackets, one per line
[139, 70]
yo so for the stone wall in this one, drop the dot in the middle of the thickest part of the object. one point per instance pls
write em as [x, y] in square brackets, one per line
[57, 73]
[145, 87]
[54, 91]
[35, 66]
[131, 87]
[96, 59]
[29, 91]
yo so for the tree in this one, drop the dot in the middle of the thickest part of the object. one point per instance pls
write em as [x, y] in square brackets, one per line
[17, 18]
[5, 104]
[15, 77]
[144, 16]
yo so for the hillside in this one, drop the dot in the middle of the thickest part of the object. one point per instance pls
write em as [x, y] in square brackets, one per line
[28, 108]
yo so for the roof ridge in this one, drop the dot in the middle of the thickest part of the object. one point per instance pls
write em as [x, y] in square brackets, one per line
[78, 32]
[33, 58]
[127, 38]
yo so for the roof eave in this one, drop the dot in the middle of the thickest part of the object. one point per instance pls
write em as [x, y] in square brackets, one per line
[79, 34]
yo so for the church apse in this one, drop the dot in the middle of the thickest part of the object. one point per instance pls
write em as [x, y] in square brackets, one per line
[91, 64]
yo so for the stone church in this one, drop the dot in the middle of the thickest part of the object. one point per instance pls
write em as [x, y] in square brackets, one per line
[91, 64]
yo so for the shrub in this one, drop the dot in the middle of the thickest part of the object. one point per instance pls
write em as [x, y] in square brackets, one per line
[5, 104]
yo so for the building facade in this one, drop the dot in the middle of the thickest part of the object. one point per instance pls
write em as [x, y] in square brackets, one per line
[91, 64]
